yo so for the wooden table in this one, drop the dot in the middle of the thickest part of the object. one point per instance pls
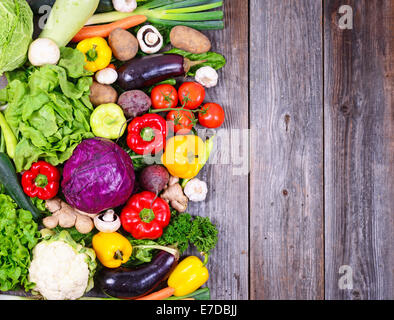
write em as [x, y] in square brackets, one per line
[316, 206]
[302, 174]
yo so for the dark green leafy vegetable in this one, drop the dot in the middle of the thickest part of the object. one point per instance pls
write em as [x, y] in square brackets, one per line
[18, 235]
[213, 59]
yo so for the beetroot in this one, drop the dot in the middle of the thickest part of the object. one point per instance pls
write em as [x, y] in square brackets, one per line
[134, 103]
[154, 178]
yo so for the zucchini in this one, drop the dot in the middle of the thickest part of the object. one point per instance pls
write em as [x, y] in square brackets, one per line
[11, 183]
[105, 6]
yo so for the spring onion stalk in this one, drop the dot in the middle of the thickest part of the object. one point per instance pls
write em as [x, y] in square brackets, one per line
[191, 13]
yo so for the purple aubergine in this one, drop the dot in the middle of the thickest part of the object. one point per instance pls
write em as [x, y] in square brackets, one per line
[149, 70]
[127, 283]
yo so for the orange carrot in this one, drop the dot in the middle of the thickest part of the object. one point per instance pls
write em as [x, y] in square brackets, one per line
[112, 66]
[105, 29]
[159, 295]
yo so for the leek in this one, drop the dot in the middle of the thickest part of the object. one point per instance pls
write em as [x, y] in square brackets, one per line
[190, 13]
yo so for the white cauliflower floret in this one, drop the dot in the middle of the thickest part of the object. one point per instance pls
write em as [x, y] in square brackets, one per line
[196, 190]
[207, 76]
[59, 272]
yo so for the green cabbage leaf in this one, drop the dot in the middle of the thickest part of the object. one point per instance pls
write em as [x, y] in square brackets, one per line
[16, 30]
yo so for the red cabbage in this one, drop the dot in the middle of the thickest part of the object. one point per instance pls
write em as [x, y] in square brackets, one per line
[98, 176]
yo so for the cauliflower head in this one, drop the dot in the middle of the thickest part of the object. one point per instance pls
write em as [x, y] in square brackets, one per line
[61, 268]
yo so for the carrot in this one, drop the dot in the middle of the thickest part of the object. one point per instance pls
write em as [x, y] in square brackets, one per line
[105, 29]
[159, 295]
[112, 66]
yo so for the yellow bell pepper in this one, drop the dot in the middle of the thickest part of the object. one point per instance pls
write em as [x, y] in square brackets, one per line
[189, 275]
[98, 53]
[112, 249]
[184, 156]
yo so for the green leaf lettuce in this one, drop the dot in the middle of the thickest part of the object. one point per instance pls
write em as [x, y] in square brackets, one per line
[49, 109]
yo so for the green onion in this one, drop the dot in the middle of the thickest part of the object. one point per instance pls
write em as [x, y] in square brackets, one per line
[190, 13]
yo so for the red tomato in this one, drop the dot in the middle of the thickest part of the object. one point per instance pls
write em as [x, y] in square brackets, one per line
[164, 96]
[191, 95]
[211, 115]
[183, 121]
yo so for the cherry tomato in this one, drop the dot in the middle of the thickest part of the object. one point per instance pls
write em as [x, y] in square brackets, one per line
[191, 95]
[183, 121]
[164, 96]
[211, 115]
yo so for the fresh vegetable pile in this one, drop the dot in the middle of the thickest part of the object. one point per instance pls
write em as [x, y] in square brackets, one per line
[99, 148]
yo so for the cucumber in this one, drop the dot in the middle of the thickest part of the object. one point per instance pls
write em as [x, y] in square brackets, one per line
[11, 183]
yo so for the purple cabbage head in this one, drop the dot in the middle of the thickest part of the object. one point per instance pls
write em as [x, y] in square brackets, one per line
[98, 176]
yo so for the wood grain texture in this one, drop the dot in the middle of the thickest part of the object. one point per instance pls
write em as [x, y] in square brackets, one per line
[286, 180]
[227, 202]
[359, 149]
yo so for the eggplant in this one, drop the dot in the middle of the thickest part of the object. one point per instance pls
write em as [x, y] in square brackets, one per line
[132, 283]
[149, 70]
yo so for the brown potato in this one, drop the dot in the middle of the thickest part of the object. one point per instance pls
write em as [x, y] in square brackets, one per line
[123, 44]
[190, 40]
[102, 93]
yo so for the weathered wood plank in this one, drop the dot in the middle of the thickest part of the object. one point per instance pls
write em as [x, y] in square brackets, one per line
[227, 202]
[359, 149]
[286, 180]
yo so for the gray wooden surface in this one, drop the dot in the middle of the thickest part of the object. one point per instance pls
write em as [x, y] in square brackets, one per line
[286, 186]
[318, 194]
[359, 149]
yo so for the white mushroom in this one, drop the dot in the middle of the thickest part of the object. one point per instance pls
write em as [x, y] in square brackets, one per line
[196, 190]
[43, 51]
[124, 5]
[207, 76]
[150, 39]
[106, 76]
[107, 222]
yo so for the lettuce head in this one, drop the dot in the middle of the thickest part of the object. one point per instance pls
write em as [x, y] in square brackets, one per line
[16, 30]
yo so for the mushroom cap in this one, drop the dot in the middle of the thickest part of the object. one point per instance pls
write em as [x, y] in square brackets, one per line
[150, 39]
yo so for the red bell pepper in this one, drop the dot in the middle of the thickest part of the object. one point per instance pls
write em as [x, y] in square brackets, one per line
[145, 216]
[147, 134]
[41, 181]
